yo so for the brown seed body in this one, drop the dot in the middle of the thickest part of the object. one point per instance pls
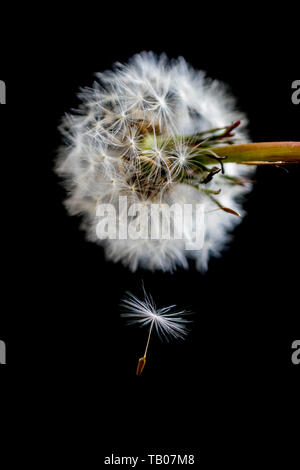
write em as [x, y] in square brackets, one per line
[140, 366]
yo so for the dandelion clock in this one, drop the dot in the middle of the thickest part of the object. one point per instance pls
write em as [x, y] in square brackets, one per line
[157, 161]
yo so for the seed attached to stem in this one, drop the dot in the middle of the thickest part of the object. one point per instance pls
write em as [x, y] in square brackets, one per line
[168, 322]
[141, 365]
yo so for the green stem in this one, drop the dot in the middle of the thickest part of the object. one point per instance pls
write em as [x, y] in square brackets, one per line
[262, 153]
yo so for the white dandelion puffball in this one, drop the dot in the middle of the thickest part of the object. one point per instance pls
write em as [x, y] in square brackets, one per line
[130, 137]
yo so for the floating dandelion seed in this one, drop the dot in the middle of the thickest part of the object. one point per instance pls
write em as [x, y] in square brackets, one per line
[160, 132]
[167, 322]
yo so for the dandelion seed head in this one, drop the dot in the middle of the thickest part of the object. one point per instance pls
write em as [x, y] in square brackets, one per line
[123, 125]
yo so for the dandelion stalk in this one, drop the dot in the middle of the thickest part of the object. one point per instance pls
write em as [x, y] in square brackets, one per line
[262, 153]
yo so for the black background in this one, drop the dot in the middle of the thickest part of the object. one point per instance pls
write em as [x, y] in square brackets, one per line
[229, 392]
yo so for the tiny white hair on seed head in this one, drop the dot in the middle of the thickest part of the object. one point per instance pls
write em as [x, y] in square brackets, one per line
[125, 123]
[169, 322]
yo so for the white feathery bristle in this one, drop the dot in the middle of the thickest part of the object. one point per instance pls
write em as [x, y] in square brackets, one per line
[169, 323]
